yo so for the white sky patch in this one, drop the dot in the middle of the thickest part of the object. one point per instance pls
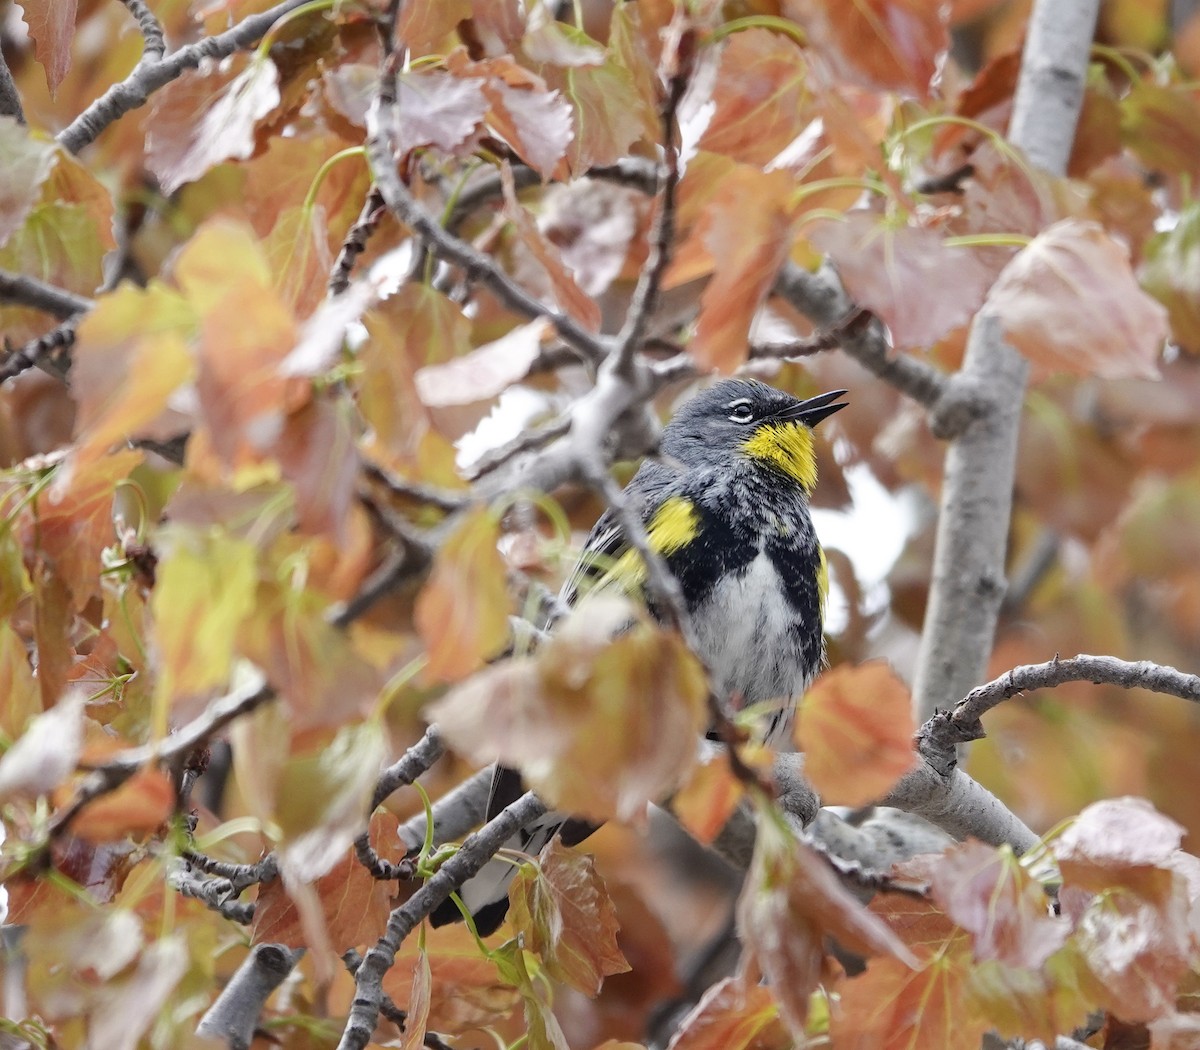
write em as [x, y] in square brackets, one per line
[516, 408]
[872, 533]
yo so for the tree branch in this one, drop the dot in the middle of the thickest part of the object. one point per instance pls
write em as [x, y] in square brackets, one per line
[10, 97]
[154, 46]
[976, 498]
[476, 851]
[234, 1016]
[356, 242]
[44, 352]
[29, 291]
[148, 77]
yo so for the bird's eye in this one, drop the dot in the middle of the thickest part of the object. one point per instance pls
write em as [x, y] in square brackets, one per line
[741, 412]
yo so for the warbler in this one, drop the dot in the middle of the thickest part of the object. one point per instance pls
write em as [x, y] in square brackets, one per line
[726, 506]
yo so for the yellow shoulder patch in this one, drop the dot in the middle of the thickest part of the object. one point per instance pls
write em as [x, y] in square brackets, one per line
[787, 446]
[822, 579]
[674, 525]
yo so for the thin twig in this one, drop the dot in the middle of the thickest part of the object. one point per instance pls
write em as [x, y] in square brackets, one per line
[29, 291]
[443, 499]
[662, 233]
[113, 773]
[1099, 670]
[46, 352]
[135, 90]
[526, 441]
[154, 46]
[476, 851]
[356, 241]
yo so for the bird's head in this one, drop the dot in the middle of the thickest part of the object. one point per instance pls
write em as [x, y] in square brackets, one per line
[746, 418]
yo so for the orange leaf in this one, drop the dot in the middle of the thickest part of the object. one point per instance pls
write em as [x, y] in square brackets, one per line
[856, 729]
[1069, 302]
[565, 914]
[462, 612]
[137, 807]
[748, 229]
[707, 800]
[733, 1015]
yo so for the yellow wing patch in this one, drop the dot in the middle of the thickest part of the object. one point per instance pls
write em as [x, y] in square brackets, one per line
[822, 580]
[787, 446]
[674, 525]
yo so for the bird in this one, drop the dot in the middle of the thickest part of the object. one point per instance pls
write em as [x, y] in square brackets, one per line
[725, 504]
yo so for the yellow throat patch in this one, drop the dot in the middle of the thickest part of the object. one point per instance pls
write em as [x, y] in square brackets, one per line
[788, 447]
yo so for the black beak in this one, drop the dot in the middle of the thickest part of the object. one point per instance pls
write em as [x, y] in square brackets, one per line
[812, 411]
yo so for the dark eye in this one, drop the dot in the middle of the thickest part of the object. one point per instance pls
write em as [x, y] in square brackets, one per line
[741, 412]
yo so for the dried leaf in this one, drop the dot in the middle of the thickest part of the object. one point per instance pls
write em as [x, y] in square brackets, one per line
[462, 612]
[747, 229]
[989, 894]
[44, 755]
[1069, 302]
[791, 902]
[563, 910]
[52, 25]
[708, 798]
[209, 115]
[733, 1015]
[598, 728]
[27, 163]
[1114, 842]
[416, 1019]
[920, 288]
[856, 731]
[421, 26]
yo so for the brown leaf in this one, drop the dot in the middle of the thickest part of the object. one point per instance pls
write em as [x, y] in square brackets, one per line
[759, 98]
[416, 1020]
[889, 45]
[421, 26]
[920, 288]
[52, 25]
[563, 910]
[791, 902]
[567, 293]
[856, 731]
[989, 894]
[27, 163]
[22, 700]
[467, 992]
[1069, 302]
[73, 521]
[462, 612]
[598, 728]
[918, 922]
[316, 453]
[209, 115]
[137, 807]
[733, 1015]
[355, 905]
[747, 228]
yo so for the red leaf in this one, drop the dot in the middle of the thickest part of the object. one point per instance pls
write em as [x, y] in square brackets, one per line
[1069, 302]
[209, 115]
[52, 26]
[920, 288]
[991, 896]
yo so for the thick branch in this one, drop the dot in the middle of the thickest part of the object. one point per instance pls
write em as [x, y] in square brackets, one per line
[29, 291]
[234, 1016]
[976, 497]
[476, 851]
[135, 90]
[10, 97]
